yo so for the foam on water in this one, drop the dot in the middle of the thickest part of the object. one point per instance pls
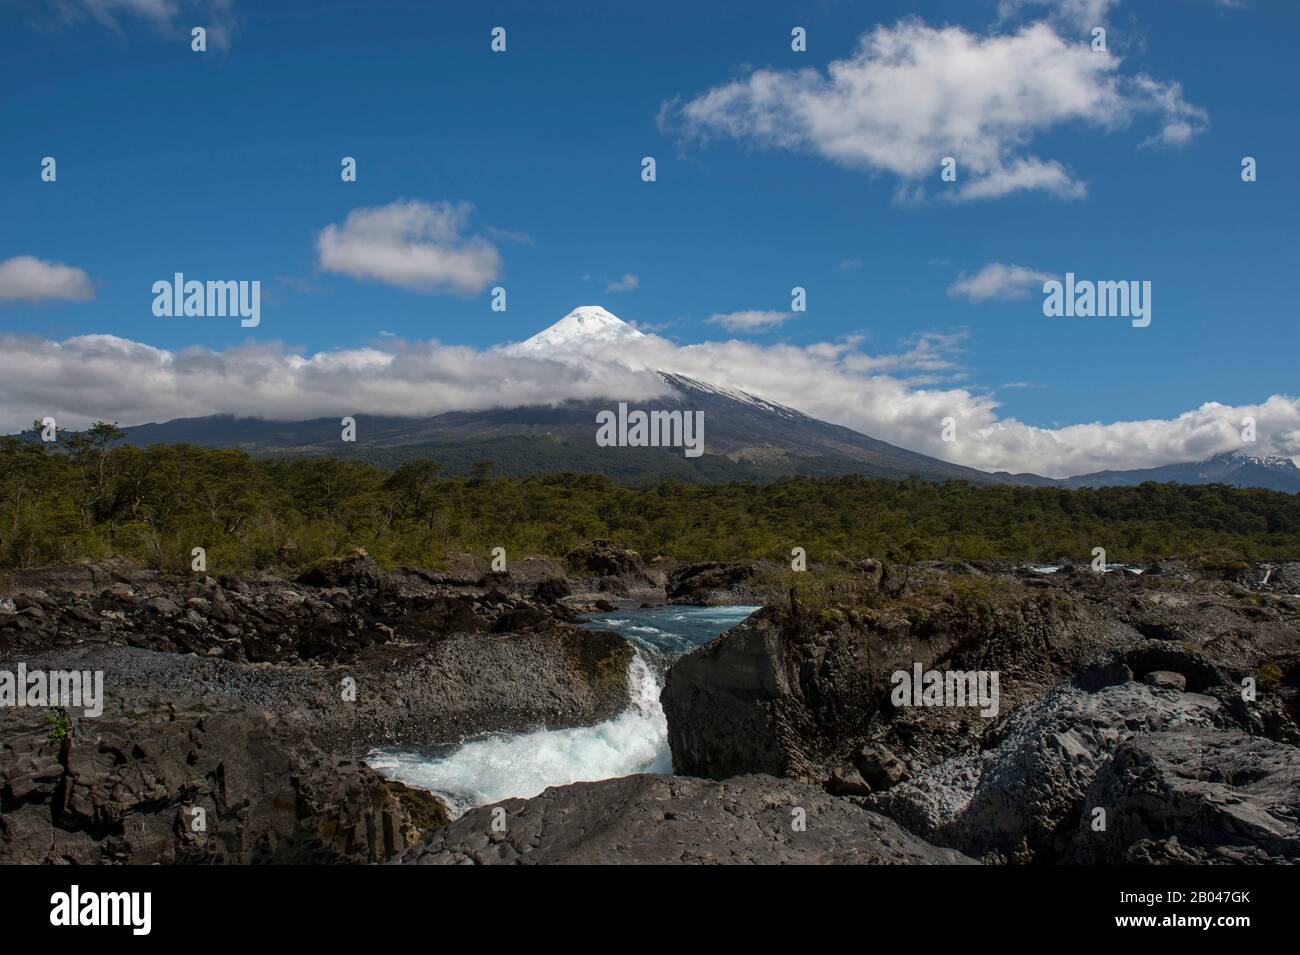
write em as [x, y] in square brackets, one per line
[498, 767]
[501, 766]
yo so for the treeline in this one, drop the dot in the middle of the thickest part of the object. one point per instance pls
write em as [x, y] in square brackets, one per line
[88, 497]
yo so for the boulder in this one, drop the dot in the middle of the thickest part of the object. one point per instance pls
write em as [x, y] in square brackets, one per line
[657, 820]
[710, 583]
[1103, 672]
[602, 559]
[161, 606]
[353, 570]
[736, 705]
[1020, 798]
[1195, 795]
[551, 589]
[1165, 680]
[790, 692]
[878, 766]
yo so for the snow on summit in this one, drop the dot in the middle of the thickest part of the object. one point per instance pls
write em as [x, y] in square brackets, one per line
[585, 325]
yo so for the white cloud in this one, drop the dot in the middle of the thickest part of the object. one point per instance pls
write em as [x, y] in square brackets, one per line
[750, 321]
[1078, 14]
[912, 94]
[27, 278]
[100, 376]
[625, 284]
[412, 244]
[1182, 121]
[998, 280]
[170, 17]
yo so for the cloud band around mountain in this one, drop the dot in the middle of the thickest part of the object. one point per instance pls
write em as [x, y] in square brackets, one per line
[90, 377]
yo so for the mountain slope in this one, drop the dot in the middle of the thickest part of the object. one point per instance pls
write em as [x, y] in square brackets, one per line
[745, 436]
[1229, 467]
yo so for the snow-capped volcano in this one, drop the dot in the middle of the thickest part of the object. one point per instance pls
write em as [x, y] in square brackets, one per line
[749, 437]
[585, 325]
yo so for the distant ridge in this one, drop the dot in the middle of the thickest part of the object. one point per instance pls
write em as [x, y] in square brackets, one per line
[747, 437]
[1235, 468]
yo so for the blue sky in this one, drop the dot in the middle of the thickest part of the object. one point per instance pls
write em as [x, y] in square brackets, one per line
[225, 165]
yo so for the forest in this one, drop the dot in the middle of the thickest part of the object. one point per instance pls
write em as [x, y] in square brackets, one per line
[89, 496]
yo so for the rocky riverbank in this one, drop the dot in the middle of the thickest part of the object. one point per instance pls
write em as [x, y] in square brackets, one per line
[236, 708]
[1115, 690]
[246, 701]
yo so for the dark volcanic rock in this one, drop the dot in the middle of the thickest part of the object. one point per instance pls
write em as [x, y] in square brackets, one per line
[1165, 680]
[358, 570]
[1195, 796]
[795, 688]
[1020, 799]
[601, 558]
[551, 589]
[711, 583]
[158, 783]
[332, 612]
[726, 704]
[792, 694]
[878, 767]
[89, 577]
[440, 694]
[265, 737]
[664, 819]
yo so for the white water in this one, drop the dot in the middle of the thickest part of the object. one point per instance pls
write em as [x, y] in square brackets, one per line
[1110, 568]
[499, 767]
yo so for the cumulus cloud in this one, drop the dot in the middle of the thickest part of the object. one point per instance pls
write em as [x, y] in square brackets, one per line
[912, 94]
[90, 377]
[753, 320]
[412, 244]
[1078, 14]
[82, 379]
[998, 280]
[625, 284]
[165, 16]
[29, 279]
[1182, 121]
